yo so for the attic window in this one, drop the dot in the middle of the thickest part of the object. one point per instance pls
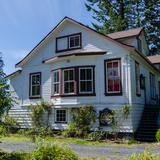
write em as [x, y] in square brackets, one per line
[74, 41]
[68, 42]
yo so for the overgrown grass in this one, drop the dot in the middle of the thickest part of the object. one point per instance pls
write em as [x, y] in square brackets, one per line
[66, 141]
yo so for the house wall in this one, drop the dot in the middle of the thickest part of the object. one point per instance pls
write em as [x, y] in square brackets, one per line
[90, 42]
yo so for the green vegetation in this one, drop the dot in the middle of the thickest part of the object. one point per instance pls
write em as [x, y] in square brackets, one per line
[117, 15]
[143, 156]
[37, 114]
[82, 119]
[158, 135]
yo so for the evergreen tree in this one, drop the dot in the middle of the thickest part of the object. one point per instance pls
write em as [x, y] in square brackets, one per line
[151, 23]
[5, 97]
[110, 15]
[118, 15]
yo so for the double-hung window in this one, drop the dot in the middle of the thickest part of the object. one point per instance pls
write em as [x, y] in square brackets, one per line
[35, 84]
[152, 86]
[86, 80]
[56, 82]
[137, 77]
[69, 81]
[113, 77]
[61, 116]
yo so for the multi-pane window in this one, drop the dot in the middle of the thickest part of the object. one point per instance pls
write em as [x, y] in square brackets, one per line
[35, 84]
[61, 115]
[152, 86]
[113, 78]
[74, 41]
[68, 81]
[56, 82]
[68, 42]
[86, 80]
[137, 77]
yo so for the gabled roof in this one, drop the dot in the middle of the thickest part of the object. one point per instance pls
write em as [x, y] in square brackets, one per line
[32, 52]
[125, 34]
[154, 59]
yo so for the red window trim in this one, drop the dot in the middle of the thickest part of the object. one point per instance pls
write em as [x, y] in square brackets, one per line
[105, 78]
[76, 69]
[35, 97]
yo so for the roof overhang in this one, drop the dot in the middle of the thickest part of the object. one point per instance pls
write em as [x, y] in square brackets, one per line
[74, 53]
[14, 74]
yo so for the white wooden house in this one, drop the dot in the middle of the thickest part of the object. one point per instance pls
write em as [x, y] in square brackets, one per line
[75, 65]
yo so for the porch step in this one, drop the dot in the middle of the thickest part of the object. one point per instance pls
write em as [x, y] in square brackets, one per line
[148, 125]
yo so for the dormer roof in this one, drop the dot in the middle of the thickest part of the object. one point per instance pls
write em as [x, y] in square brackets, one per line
[125, 34]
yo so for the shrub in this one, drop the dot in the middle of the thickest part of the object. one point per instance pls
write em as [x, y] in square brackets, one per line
[46, 151]
[143, 156]
[82, 118]
[158, 135]
[37, 112]
[3, 130]
[14, 156]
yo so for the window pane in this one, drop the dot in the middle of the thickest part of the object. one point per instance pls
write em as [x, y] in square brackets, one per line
[61, 115]
[56, 76]
[89, 74]
[35, 79]
[82, 74]
[66, 75]
[89, 86]
[56, 88]
[35, 90]
[74, 41]
[82, 86]
[71, 75]
[113, 77]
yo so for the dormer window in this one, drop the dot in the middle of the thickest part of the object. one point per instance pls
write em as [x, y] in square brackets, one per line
[68, 42]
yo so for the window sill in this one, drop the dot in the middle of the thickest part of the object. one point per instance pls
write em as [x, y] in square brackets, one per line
[74, 95]
[60, 122]
[37, 97]
[113, 94]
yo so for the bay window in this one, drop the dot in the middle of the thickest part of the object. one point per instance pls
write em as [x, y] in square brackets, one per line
[86, 80]
[73, 81]
[113, 77]
[69, 81]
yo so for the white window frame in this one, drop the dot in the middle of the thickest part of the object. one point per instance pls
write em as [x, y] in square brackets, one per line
[119, 73]
[31, 85]
[85, 80]
[77, 35]
[57, 109]
[69, 81]
[55, 83]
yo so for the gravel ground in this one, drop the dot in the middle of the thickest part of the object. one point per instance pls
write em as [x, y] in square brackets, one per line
[111, 152]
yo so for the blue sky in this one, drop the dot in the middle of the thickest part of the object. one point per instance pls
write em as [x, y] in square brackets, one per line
[23, 23]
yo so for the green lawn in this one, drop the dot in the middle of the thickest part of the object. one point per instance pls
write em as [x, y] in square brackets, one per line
[66, 141]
